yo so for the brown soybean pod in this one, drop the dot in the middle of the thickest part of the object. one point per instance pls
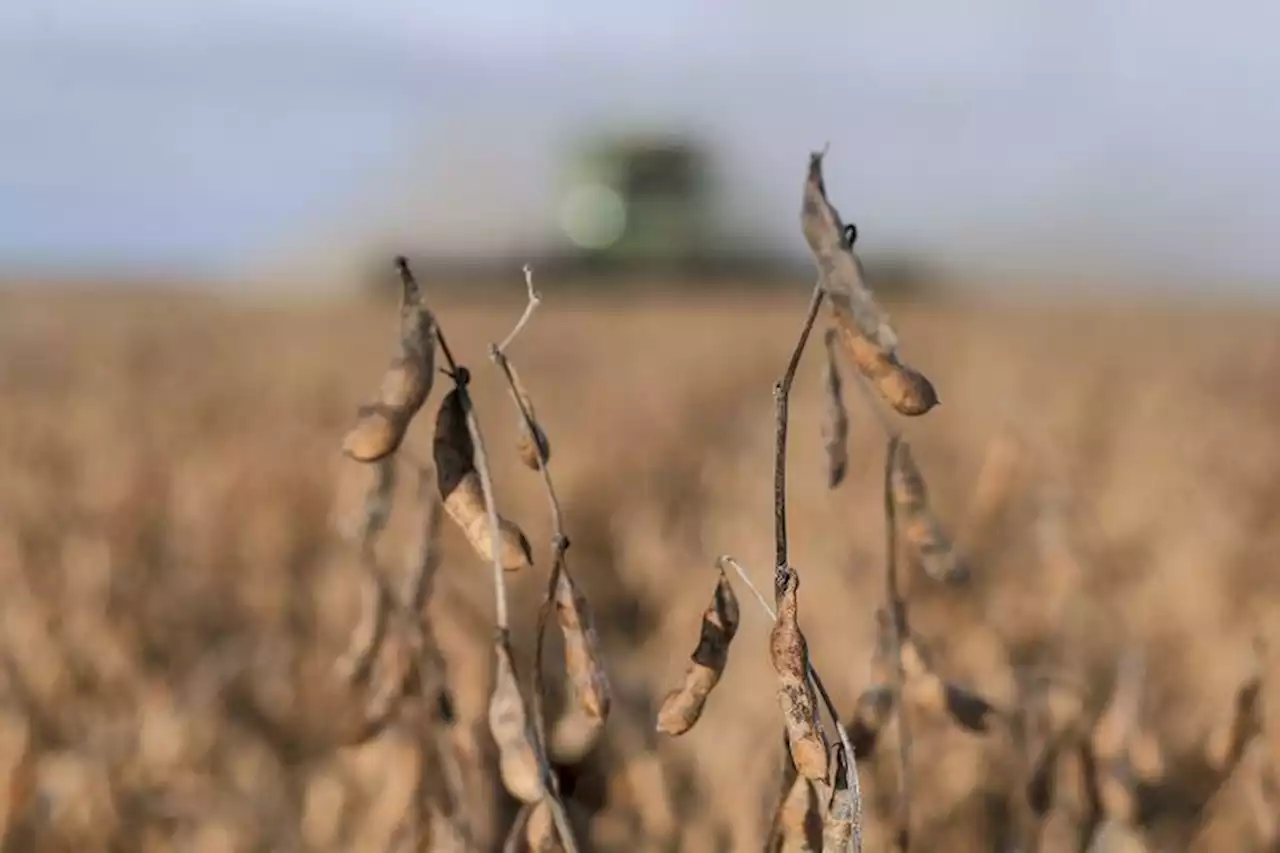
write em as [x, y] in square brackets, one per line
[533, 446]
[840, 825]
[795, 813]
[540, 831]
[835, 418]
[907, 484]
[932, 548]
[865, 329]
[790, 655]
[683, 706]
[926, 538]
[509, 724]
[381, 424]
[583, 660]
[462, 493]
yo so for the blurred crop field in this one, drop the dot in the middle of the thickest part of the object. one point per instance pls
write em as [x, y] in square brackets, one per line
[174, 594]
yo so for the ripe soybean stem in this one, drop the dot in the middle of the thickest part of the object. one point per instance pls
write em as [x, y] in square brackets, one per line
[559, 545]
[535, 299]
[898, 629]
[781, 398]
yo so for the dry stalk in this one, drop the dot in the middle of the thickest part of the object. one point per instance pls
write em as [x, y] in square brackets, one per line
[896, 610]
[583, 660]
[788, 649]
[801, 715]
[369, 641]
[439, 770]
[516, 832]
[462, 468]
[781, 402]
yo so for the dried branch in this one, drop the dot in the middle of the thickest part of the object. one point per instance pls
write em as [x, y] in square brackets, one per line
[581, 643]
[896, 610]
[781, 400]
[519, 748]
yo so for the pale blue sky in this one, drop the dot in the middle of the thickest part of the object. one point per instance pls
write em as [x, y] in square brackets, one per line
[1099, 137]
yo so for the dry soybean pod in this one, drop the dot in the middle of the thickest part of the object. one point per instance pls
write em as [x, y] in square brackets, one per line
[381, 424]
[871, 713]
[864, 327]
[683, 706]
[463, 494]
[790, 655]
[795, 818]
[582, 657]
[533, 445]
[841, 823]
[540, 830]
[926, 538]
[927, 690]
[835, 419]
[517, 759]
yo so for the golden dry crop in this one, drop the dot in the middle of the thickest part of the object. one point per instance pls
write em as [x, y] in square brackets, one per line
[174, 594]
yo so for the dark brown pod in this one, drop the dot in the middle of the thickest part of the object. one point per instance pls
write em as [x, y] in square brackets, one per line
[865, 330]
[381, 424]
[462, 493]
[683, 706]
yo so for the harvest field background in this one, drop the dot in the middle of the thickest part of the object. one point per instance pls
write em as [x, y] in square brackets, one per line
[174, 593]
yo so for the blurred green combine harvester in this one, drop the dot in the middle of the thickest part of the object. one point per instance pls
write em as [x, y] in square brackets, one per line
[648, 210]
[640, 203]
